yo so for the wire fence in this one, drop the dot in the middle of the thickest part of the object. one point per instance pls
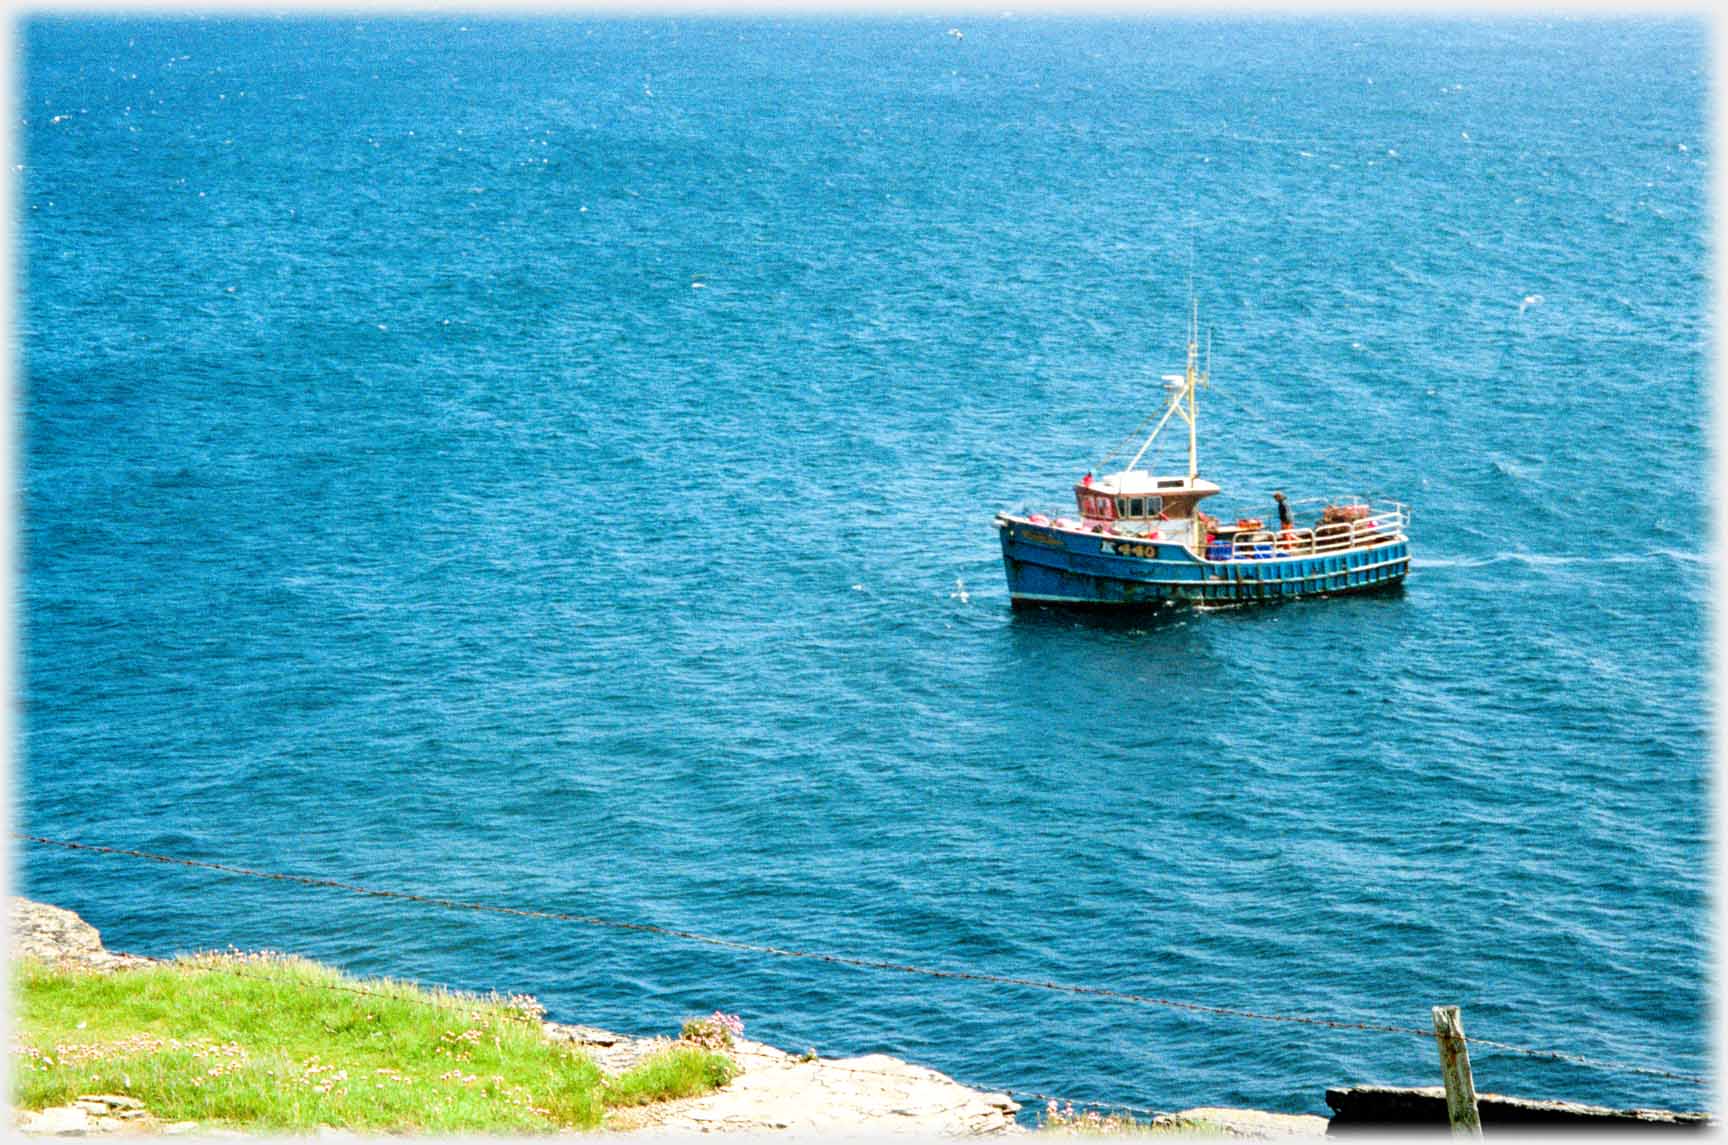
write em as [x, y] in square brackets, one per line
[872, 964]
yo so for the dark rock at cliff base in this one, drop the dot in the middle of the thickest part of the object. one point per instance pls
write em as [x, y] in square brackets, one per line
[1379, 1107]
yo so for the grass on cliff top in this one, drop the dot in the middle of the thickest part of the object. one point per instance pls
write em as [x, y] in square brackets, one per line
[273, 1043]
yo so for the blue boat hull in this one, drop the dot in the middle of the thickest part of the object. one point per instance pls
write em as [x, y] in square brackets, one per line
[1054, 566]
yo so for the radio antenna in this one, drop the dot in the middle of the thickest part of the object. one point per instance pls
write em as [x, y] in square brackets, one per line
[1190, 267]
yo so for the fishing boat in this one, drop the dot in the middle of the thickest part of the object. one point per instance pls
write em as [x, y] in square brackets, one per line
[1142, 538]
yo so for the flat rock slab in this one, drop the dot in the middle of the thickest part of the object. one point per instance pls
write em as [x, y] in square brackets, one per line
[778, 1092]
[613, 1053]
[55, 935]
[61, 1121]
[1252, 1124]
[80, 1121]
[775, 1092]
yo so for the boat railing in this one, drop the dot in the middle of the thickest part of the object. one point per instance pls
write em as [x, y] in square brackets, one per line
[1379, 523]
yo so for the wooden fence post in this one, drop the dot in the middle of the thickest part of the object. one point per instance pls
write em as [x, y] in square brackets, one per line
[1455, 1067]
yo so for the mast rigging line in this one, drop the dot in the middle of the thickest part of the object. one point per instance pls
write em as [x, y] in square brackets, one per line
[1101, 992]
[1121, 447]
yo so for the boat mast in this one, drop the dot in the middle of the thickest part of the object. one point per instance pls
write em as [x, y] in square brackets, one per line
[1193, 378]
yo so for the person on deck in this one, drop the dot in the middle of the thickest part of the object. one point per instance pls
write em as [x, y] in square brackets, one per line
[1286, 528]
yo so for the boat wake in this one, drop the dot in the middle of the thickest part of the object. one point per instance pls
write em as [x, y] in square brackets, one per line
[1562, 560]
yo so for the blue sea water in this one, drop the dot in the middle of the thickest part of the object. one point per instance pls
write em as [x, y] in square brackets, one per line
[551, 462]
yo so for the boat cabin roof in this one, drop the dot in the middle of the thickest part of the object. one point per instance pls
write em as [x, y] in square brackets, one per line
[1138, 483]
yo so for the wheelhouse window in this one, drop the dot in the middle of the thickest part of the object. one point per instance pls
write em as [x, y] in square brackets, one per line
[1095, 505]
[1136, 508]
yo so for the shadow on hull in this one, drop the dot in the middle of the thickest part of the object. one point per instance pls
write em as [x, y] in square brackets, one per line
[1139, 614]
[1126, 617]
